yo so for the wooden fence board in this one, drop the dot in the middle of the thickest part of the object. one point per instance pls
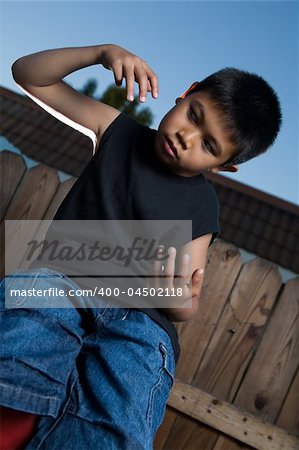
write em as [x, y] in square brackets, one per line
[42, 227]
[61, 192]
[200, 437]
[29, 203]
[228, 419]
[13, 168]
[276, 360]
[165, 429]
[275, 363]
[234, 340]
[225, 443]
[289, 415]
[194, 334]
[239, 329]
[34, 194]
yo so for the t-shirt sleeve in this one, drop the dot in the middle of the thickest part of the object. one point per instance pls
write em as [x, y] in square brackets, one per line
[206, 219]
[112, 127]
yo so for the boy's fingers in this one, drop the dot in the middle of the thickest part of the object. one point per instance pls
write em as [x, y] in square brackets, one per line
[157, 269]
[130, 78]
[118, 74]
[141, 78]
[170, 266]
[184, 269]
[153, 79]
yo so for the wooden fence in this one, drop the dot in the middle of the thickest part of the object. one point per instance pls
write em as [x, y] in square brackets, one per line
[237, 381]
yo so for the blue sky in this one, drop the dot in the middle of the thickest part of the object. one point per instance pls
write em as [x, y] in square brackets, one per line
[182, 42]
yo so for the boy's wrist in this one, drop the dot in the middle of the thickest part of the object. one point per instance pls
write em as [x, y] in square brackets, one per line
[100, 51]
[103, 54]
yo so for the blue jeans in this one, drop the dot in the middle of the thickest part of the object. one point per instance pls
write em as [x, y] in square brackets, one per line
[98, 377]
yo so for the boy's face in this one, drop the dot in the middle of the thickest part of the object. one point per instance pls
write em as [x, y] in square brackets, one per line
[192, 137]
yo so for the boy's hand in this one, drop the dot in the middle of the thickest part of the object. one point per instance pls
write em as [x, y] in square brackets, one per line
[183, 304]
[129, 66]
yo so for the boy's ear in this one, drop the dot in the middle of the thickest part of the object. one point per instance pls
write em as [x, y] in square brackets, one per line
[232, 168]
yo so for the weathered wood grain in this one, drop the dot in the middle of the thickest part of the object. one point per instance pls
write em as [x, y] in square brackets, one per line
[227, 443]
[276, 361]
[34, 194]
[29, 203]
[58, 197]
[12, 169]
[239, 330]
[289, 415]
[165, 429]
[223, 266]
[228, 419]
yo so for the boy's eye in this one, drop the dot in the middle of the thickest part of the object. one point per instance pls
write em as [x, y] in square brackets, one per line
[207, 146]
[192, 115]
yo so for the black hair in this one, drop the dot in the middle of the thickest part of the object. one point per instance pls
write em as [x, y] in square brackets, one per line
[250, 108]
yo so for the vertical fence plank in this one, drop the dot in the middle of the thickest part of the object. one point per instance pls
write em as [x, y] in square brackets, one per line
[29, 203]
[289, 415]
[34, 194]
[225, 443]
[273, 367]
[276, 360]
[165, 429]
[12, 168]
[240, 327]
[57, 199]
[223, 266]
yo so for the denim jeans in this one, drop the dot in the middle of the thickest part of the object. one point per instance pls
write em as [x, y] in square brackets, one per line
[98, 377]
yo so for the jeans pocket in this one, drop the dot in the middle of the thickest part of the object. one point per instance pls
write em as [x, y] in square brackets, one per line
[160, 391]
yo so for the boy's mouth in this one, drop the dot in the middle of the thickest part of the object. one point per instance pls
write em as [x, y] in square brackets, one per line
[170, 148]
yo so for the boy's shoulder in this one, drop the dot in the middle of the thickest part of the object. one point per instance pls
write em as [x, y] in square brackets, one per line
[122, 127]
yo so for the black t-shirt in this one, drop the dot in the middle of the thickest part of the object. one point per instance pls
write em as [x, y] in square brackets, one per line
[126, 180]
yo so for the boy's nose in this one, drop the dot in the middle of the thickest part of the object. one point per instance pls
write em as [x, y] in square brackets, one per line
[187, 138]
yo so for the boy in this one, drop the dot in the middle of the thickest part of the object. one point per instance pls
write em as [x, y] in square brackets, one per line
[106, 387]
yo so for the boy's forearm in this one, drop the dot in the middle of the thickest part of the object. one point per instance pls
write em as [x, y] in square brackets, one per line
[50, 66]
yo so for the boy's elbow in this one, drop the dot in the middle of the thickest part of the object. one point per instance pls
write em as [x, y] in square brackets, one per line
[16, 70]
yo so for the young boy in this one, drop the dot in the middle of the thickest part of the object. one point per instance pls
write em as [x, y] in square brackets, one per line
[100, 377]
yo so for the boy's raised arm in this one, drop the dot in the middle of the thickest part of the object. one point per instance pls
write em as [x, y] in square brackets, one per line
[40, 76]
